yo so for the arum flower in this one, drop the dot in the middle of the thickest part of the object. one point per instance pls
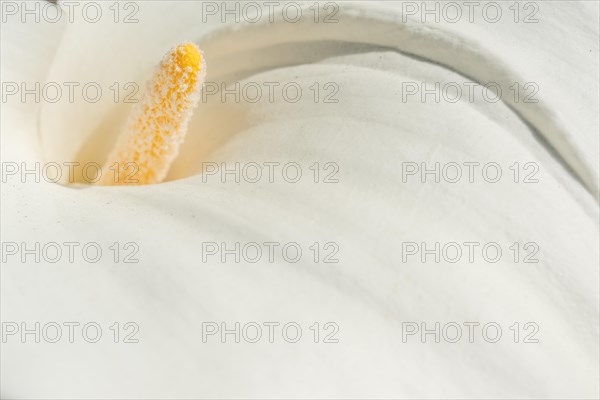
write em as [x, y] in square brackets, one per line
[380, 290]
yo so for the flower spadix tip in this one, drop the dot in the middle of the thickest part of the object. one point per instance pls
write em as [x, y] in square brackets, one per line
[157, 124]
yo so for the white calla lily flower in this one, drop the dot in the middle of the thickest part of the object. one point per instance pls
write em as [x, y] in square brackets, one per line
[380, 216]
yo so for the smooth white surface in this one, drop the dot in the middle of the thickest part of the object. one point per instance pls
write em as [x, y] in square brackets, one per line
[369, 133]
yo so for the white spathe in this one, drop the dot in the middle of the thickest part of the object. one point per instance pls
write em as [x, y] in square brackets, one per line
[369, 213]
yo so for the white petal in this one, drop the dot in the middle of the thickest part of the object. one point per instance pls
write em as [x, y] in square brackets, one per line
[369, 213]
